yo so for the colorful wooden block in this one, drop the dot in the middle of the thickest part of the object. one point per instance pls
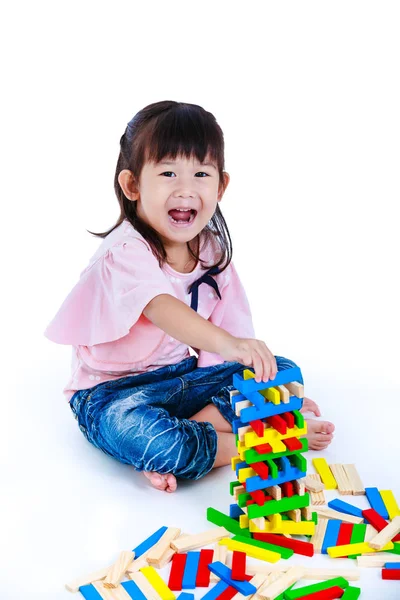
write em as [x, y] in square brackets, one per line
[390, 503]
[322, 468]
[282, 377]
[149, 542]
[133, 590]
[253, 551]
[177, 569]
[362, 548]
[345, 533]
[345, 508]
[238, 565]
[331, 535]
[393, 574]
[351, 593]
[89, 592]
[278, 506]
[203, 572]
[265, 545]
[158, 583]
[218, 518]
[317, 587]
[224, 573]
[190, 572]
[376, 502]
[298, 546]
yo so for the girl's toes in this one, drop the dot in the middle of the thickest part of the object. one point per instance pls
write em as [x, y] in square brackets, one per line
[323, 438]
[327, 427]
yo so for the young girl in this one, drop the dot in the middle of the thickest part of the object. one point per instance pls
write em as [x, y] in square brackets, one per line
[161, 282]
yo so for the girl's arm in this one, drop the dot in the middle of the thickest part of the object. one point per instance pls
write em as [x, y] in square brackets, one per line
[184, 324]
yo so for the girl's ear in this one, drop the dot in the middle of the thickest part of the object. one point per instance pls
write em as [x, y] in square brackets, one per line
[127, 182]
[223, 185]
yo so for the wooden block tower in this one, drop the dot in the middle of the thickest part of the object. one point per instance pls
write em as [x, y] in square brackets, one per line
[269, 494]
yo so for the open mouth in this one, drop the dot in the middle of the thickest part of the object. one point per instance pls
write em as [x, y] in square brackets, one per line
[182, 217]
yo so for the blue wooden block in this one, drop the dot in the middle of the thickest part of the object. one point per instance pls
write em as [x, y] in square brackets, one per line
[392, 565]
[249, 386]
[376, 502]
[288, 474]
[241, 465]
[331, 535]
[89, 592]
[190, 572]
[235, 511]
[268, 409]
[185, 596]
[153, 539]
[216, 591]
[345, 507]
[244, 587]
[133, 590]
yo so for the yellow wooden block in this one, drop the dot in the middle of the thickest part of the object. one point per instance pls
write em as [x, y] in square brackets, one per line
[271, 394]
[245, 473]
[243, 521]
[252, 551]
[361, 548]
[158, 583]
[234, 461]
[322, 468]
[277, 446]
[247, 374]
[271, 435]
[390, 503]
[289, 527]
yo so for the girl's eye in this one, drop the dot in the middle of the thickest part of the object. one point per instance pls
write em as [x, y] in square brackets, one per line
[202, 172]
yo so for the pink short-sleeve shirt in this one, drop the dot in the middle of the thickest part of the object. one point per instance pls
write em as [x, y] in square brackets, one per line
[101, 318]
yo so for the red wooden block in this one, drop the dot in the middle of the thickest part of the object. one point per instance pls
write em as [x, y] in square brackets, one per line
[177, 570]
[329, 594]
[278, 423]
[377, 521]
[288, 417]
[238, 565]
[258, 496]
[267, 498]
[250, 502]
[287, 489]
[293, 444]
[391, 574]
[263, 448]
[258, 427]
[203, 572]
[298, 546]
[261, 469]
[344, 537]
[227, 594]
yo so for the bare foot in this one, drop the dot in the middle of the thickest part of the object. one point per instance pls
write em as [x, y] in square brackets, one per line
[164, 482]
[319, 434]
[310, 406]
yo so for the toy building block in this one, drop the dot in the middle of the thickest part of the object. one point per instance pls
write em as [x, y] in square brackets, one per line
[145, 587]
[324, 574]
[158, 583]
[149, 542]
[136, 565]
[358, 535]
[224, 573]
[199, 539]
[346, 508]
[251, 550]
[376, 502]
[330, 593]
[177, 571]
[190, 572]
[274, 506]
[89, 592]
[258, 427]
[86, 580]
[322, 468]
[282, 583]
[345, 533]
[317, 587]
[355, 481]
[393, 574]
[203, 572]
[155, 554]
[249, 412]
[339, 473]
[216, 591]
[317, 498]
[295, 515]
[133, 591]
[299, 487]
[375, 560]
[313, 484]
[319, 535]
[386, 535]
[331, 535]
[283, 551]
[351, 593]
[249, 386]
[220, 555]
[298, 547]
[328, 513]
[390, 503]
[362, 548]
[238, 565]
[118, 569]
[185, 596]
[394, 565]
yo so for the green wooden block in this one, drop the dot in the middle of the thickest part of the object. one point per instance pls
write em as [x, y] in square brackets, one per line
[395, 550]
[236, 438]
[299, 461]
[232, 486]
[218, 518]
[299, 419]
[273, 468]
[252, 455]
[272, 507]
[282, 596]
[314, 517]
[357, 535]
[243, 498]
[351, 593]
[316, 587]
[284, 552]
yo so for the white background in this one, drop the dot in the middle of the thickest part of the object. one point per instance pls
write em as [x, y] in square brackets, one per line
[308, 96]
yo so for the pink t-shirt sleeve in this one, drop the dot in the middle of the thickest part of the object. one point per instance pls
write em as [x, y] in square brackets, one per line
[110, 296]
[232, 313]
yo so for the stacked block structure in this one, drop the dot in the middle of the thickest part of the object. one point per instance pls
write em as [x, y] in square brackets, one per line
[270, 496]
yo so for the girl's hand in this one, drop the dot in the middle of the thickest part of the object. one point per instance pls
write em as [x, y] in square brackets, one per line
[250, 353]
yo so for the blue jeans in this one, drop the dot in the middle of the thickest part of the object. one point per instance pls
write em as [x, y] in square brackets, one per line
[143, 420]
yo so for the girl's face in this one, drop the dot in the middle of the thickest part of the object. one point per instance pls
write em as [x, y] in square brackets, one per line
[178, 184]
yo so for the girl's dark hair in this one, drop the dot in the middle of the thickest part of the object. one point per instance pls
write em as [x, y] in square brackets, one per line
[163, 129]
